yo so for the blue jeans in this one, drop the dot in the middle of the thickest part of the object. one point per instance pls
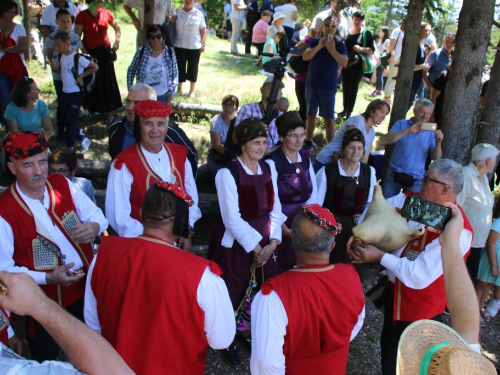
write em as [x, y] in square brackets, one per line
[5, 90]
[380, 78]
[162, 98]
[391, 188]
[71, 103]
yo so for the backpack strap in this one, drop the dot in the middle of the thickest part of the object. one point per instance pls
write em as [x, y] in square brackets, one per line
[75, 66]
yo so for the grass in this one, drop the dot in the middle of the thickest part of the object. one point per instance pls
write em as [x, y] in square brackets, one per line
[220, 74]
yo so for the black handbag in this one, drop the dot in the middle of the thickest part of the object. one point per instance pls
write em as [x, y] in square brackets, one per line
[384, 59]
[404, 179]
[298, 65]
[352, 59]
[110, 52]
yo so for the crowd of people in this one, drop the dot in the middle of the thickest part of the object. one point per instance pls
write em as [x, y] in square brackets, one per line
[286, 221]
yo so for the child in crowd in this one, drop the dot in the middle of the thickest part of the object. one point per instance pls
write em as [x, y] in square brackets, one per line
[283, 104]
[210, 30]
[488, 272]
[72, 94]
[63, 20]
[259, 35]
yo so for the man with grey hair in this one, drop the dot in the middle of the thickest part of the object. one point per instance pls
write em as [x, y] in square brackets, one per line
[477, 201]
[416, 270]
[412, 145]
[121, 129]
[298, 330]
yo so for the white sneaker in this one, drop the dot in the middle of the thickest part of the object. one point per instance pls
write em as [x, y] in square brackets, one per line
[85, 145]
[492, 307]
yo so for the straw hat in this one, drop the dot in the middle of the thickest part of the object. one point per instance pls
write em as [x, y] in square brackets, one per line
[457, 358]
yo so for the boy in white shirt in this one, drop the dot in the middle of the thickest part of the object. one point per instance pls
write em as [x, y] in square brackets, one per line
[72, 91]
[63, 21]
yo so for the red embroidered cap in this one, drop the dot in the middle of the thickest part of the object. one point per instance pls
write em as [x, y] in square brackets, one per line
[152, 108]
[22, 145]
[323, 217]
[178, 192]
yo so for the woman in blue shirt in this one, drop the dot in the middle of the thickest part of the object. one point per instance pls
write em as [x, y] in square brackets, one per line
[26, 111]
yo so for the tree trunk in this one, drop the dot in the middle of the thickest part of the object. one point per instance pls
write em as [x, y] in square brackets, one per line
[405, 72]
[464, 79]
[489, 126]
[26, 24]
[149, 19]
[388, 20]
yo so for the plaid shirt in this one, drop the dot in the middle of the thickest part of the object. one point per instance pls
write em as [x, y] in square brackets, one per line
[253, 110]
[139, 65]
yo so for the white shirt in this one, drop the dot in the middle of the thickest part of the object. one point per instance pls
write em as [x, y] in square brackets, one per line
[238, 15]
[188, 26]
[86, 210]
[156, 74]
[49, 16]
[67, 63]
[237, 228]
[287, 10]
[274, 175]
[322, 184]
[162, 8]
[476, 199]
[117, 205]
[18, 32]
[212, 297]
[428, 266]
[269, 322]
[398, 36]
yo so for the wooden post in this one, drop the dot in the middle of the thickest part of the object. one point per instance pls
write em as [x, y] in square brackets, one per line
[26, 24]
[149, 19]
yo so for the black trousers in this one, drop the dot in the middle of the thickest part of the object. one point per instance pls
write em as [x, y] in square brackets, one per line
[248, 39]
[472, 262]
[350, 82]
[187, 63]
[42, 346]
[391, 333]
[300, 91]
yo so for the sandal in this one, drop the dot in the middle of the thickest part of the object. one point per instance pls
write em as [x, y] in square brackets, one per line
[485, 314]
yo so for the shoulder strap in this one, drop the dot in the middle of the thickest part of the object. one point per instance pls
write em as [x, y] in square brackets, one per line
[98, 29]
[75, 65]
[59, 55]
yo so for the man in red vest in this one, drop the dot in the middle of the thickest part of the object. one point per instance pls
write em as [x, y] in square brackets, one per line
[157, 305]
[415, 270]
[304, 319]
[145, 162]
[46, 227]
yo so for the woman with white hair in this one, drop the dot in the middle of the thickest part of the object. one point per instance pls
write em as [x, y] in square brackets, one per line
[476, 200]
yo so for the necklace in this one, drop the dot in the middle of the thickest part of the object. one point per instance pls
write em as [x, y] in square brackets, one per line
[355, 179]
[297, 170]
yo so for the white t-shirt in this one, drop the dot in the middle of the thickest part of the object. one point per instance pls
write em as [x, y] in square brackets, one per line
[162, 7]
[188, 25]
[287, 10]
[50, 12]
[398, 35]
[18, 31]
[238, 14]
[68, 79]
[156, 74]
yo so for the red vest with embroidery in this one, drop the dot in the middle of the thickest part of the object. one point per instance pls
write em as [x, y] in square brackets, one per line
[322, 304]
[146, 292]
[4, 326]
[410, 304]
[31, 250]
[144, 176]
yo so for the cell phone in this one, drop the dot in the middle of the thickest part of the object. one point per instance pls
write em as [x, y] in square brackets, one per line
[425, 212]
[429, 126]
[330, 37]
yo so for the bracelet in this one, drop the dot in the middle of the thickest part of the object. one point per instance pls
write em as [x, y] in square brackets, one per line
[271, 240]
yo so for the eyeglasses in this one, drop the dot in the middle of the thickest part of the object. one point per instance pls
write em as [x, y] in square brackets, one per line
[451, 34]
[297, 136]
[427, 179]
[58, 171]
[331, 26]
[155, 36]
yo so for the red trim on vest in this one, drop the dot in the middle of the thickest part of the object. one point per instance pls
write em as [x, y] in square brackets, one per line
[410, 304]
[5, 319]
[215, 268]
[15, 212]
[144, 176]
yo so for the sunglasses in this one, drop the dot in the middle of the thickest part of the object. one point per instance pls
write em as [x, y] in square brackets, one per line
[427, 179]
[155, 36]
[331, 26]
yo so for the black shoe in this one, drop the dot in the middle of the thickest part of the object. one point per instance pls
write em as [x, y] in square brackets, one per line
[231, 356]
[347, 116]
[246, 342]
[342, 114]
[307, 146]
[61, 136]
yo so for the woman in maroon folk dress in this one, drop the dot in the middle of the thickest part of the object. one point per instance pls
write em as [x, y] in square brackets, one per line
[292, 170]
[250, 228]
[345, 187]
